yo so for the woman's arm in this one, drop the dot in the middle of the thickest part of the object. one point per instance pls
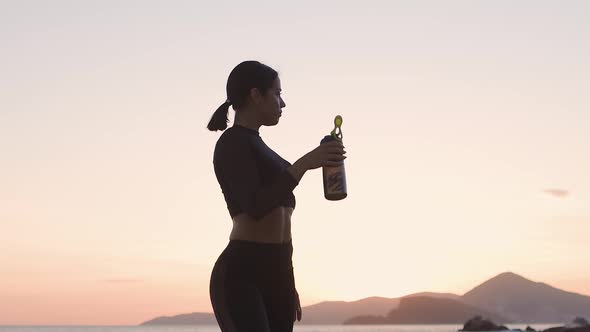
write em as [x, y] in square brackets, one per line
[326, 154]
[298, 169]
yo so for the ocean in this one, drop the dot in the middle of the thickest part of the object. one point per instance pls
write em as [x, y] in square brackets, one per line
[298, 328]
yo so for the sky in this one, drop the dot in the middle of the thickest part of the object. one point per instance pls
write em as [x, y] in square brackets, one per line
[466, 126]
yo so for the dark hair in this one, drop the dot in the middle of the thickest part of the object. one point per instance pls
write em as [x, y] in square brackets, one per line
[244, 77]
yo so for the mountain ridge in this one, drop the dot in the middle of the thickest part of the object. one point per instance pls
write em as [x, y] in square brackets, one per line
[427, 310]
[522, 300]
[508, 295]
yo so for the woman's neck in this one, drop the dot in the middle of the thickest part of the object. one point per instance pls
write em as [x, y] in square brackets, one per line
[248, 123]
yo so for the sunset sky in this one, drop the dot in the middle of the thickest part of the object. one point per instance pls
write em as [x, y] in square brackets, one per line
[466, 126]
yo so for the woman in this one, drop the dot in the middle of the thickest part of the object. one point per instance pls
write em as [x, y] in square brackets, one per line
[252, 284]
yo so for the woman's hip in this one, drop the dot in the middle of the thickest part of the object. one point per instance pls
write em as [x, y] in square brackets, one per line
[248, 260]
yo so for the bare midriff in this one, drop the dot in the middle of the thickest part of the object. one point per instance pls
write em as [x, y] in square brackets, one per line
[274, 227]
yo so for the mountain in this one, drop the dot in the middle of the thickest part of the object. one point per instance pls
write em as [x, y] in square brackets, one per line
[336, 312]
[427, 310]
[327, 312]
[525, 301]
[508, 296]
[436, 295]
[194, 318]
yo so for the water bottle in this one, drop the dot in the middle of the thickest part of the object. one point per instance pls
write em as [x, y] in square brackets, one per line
[334, 176]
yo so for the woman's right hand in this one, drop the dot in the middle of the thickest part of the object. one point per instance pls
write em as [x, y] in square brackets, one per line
[327, 154]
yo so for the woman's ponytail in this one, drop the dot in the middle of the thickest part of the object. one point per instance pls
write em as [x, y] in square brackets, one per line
[219, 119]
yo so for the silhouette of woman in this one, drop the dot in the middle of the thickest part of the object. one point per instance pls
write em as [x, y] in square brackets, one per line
[252, 286]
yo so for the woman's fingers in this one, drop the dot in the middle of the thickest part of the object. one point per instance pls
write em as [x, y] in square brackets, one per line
[335, 156]
[330, 163]
[334, 144]
[336, 150]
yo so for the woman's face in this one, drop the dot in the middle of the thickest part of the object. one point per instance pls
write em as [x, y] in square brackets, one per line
[271, 104]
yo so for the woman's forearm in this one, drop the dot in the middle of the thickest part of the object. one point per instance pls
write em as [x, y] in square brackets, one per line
[298, 169]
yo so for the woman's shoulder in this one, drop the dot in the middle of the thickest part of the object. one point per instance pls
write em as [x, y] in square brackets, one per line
[234, 141]
[234, 135]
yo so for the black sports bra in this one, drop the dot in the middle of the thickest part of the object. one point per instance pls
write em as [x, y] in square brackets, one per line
[253, 178]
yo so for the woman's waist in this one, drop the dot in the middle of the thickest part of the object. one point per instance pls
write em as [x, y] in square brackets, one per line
[274, 227]
[277, 216]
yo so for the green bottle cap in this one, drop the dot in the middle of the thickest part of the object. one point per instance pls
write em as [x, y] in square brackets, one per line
[337, 131]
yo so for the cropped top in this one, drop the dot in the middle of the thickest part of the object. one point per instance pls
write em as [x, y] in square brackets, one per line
[253, 178]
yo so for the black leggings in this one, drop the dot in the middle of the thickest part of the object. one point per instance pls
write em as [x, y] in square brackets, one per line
[252, 287]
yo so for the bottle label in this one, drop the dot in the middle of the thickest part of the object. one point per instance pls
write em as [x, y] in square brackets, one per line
[335, 182]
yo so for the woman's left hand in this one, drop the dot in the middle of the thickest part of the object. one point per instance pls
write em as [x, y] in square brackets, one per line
[297, 313]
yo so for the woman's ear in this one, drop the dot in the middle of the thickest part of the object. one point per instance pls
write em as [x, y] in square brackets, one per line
[255, 95]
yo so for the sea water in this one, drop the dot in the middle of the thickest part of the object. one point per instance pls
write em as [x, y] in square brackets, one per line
[298, 328]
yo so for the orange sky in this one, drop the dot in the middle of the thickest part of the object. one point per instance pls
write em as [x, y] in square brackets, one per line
[466, 128]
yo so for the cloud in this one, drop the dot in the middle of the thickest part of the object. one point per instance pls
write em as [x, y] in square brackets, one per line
[121, 281]
[559, 193]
